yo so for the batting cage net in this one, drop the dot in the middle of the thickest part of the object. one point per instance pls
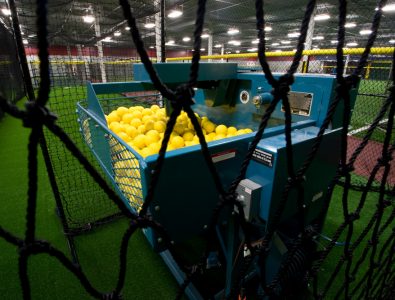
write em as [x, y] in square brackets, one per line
[66, 47]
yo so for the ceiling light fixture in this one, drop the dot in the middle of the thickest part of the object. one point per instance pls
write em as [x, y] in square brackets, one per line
[352, 44]
[350, 25]
[202, 49]
[117, 33]
[235, 43]
[278, 50]
[170, 43]
[88, 19]
[237, 51]
[285, 42]
[149, 25]
[186, 39]
[107, 39]
[25, 41]
[275, 44]
[293, 34]
[174, 13]
[268, 28]
[389, 7]
[218, 46]
[334, 42]
[365, 32]
[255, 41]
[6, 11]
[322, 17]
[127, 28]
[318, 37]
[391, 41]
[232, 31]
[252, 49]
[205, 36]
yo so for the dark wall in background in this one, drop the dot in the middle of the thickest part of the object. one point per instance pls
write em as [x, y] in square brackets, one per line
[11, 80]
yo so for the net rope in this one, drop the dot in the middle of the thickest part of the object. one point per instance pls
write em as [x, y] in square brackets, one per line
[379, 279]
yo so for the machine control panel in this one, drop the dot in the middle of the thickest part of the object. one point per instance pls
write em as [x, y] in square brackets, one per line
[249, 193]
[300, 103]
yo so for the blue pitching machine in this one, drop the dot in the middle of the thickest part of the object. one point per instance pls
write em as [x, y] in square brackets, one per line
[186, 196]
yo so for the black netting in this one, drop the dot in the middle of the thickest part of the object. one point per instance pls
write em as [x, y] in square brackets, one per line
[352, 257]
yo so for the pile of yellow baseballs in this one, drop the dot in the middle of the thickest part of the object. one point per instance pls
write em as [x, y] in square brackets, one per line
[143, 129]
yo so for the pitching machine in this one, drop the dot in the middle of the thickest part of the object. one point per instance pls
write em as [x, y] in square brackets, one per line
[186, 196]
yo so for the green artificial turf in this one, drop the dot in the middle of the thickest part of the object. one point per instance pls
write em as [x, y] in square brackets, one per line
[147, 276]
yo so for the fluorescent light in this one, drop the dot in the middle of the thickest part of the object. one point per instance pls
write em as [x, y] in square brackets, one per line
[232, 31]
[334, 42]
[252, 49]
[6, 12]
[31, 35]
[365, 32]
[205, 36]
[275, 44]
[278, 50]
[285, 42]
[127, 28]
[186, 39]
[25, 41]
[318, 37]
[237, 51]
[255, 41]
[391, 41]
[175, 13]
[117, 33]
[88, 19]
[389, 7]
[107, 39]
[202, 49]
[350, 25]
[151, 47]
[322, 17]
[235, 43]
[170, 43]
[268, 28]
[149, 25]
[218, 46]
[293, 34]
[352, 44]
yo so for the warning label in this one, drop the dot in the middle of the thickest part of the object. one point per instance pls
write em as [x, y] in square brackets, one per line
[223, 155]
[263, 157]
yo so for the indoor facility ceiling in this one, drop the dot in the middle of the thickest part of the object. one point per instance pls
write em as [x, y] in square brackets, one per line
[283, 21]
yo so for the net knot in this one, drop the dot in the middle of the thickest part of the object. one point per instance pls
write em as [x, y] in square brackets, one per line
[183, 96]
[282, 86]
[345, 169]
[384, 160]
[141, 222]
[352, 217]
[391, 89]
[37, 114]
[344, 84]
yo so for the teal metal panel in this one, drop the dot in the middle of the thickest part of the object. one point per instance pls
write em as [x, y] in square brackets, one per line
[179, 72]
[120, 87]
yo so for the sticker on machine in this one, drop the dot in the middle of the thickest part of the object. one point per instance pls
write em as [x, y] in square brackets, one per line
[223, 155]
[263, 157]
